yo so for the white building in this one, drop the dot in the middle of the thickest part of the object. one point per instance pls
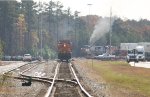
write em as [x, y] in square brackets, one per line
[128, 46]
[146, 45]
[131, 46]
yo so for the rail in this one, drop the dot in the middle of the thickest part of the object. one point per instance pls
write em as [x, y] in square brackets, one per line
[51, 87]
[32, 67]
[7, 71]
[83, 90]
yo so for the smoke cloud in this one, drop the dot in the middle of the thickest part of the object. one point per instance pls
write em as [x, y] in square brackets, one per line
[100, 29]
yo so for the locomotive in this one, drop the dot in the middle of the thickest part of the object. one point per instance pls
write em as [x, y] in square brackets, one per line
[64, 50]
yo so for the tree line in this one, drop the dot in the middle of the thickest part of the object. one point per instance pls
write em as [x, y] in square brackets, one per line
[35, 28]
[128, 31]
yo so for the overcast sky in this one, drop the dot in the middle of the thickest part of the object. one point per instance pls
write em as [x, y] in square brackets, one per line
[131, 9]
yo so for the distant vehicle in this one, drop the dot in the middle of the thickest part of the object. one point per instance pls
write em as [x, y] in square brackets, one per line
[132, 55]
[39, 58]
[85, 50]
[19, 58]
[64, 50]
[97, 50]
[146, 50]
[105, 56]
[6, 58]
[13, 58]
[27, 57]
[140, 53]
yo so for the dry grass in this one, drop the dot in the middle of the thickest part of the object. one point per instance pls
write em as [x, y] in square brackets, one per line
[0, 63]
[124, 79]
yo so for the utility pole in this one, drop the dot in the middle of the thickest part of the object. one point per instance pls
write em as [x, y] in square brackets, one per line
[88, 17]
[89, 28]
[41, 35]
[68, 18]
[76, 40]
[89, 7]
[40, 23]
[57, 23]
[110, 30]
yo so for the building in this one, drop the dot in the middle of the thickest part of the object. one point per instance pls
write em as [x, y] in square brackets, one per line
[131, 46]
[146, 45]
[128, 46]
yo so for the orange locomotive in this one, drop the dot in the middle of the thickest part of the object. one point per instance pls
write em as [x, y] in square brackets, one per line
[64, 50]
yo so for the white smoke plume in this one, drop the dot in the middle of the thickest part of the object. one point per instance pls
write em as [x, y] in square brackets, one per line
[100, 29]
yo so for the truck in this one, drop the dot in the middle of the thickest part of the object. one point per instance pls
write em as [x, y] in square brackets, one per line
[136, 55]
[140, 53]
[146, 46]
[132, 55]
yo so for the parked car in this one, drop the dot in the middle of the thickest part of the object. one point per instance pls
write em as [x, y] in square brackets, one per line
[27, 57]
[6, 58]
[104, 56]
[13, 58]
[19, 58]
[39, 58]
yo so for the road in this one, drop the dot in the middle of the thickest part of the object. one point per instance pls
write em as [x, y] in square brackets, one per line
[140, 64]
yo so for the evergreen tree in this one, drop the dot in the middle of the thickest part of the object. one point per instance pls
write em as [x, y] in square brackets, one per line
[28, 9]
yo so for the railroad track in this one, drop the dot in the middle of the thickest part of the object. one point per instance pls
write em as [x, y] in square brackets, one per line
[22, 67]
[18, 71]
[64, 82]
[9, 80]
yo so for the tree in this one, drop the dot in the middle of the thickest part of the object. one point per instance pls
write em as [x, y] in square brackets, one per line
[20, 34]
[28, 9]
[1, 49]
[8, 17]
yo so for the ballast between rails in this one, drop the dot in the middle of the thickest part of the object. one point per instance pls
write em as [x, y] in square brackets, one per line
[83, 90]
[34, 66]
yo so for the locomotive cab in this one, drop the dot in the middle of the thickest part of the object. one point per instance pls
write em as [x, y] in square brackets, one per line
[64, 50]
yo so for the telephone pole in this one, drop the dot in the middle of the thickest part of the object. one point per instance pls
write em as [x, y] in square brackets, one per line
[110, 30]
[88, 19]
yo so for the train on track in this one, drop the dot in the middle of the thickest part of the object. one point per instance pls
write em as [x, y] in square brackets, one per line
[64, 50]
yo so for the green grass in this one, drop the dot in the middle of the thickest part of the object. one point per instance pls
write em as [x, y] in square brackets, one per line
[134, 82]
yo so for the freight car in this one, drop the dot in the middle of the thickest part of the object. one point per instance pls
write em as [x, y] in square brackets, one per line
[64, 50]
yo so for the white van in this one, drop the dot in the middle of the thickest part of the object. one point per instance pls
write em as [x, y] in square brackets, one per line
[141, 53]
[27, 57]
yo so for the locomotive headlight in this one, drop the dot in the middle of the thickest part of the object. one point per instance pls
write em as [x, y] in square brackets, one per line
[64, 45]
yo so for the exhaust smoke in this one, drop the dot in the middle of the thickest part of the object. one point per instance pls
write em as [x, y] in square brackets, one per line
[100, 29]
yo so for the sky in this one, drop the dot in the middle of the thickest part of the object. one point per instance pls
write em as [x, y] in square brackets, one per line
[126, 9]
